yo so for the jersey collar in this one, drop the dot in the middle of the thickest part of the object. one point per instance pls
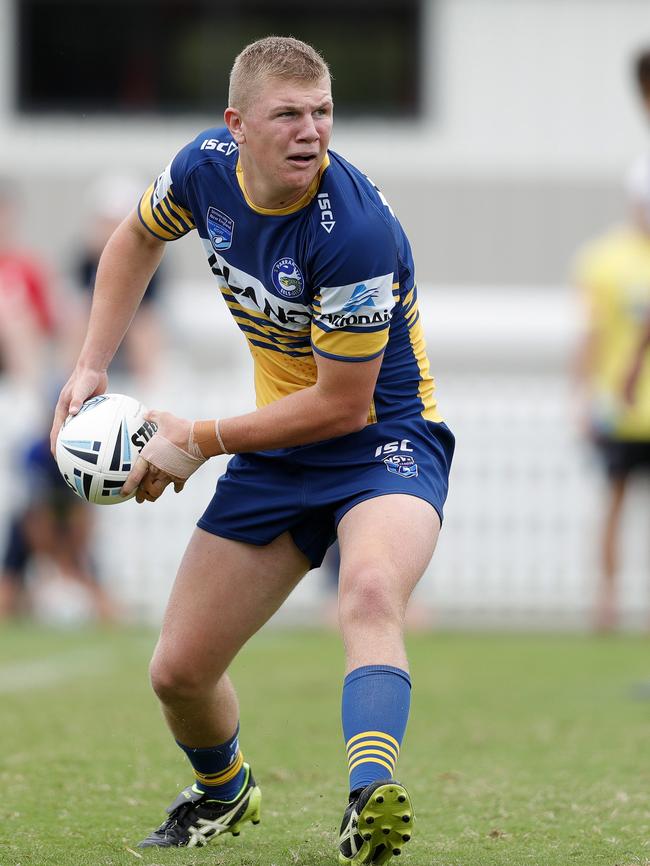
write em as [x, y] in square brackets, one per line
[297, 205]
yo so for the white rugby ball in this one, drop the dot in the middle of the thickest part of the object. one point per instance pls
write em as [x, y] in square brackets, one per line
[97, 447]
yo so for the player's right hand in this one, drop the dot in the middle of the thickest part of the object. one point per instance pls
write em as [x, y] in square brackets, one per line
[81, 386]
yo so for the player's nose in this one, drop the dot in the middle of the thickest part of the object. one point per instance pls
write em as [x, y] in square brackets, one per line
[307, 130]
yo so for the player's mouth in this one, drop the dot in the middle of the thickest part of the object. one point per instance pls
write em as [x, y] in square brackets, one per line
[302, 159]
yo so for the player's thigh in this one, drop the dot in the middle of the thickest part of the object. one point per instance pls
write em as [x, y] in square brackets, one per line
[386, 544]
[224, 592]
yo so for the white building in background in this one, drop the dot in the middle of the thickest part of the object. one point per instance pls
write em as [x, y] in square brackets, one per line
[530, 119]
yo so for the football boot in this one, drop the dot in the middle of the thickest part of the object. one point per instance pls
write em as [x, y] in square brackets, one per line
[194, 819]
[377, 823]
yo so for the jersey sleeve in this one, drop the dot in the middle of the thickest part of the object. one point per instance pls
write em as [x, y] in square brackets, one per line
[162, 209]
[357, 290]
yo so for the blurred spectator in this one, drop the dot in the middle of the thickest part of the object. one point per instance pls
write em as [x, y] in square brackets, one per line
[641, 68]
[642, 75]
[27, 318]
[47, 564]
[48, 533]
[110, 199]
[614, 273]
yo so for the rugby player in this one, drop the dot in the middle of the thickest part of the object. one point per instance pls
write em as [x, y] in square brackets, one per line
[346, 439]
[613, 272]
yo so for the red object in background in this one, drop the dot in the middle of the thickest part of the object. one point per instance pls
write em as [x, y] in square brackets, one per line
[24, 287]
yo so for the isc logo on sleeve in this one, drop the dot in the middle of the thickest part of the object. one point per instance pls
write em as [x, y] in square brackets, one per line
[226, 147]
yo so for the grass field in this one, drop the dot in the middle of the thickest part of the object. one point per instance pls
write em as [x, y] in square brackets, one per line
[526, 750]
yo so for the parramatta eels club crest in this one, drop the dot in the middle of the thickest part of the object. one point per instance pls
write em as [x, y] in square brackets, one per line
[220, 228]
[287, 278]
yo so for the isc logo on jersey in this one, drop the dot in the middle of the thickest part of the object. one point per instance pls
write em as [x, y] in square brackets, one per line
[327, 220]
[287, 278]
[226, 147]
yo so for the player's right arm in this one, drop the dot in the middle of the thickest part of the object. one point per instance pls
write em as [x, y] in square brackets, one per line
[128, 262]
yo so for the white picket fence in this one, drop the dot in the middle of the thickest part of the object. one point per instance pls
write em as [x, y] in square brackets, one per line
[518, 547]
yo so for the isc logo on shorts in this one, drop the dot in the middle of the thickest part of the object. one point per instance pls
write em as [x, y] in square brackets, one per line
[393, 447]
[398, 464]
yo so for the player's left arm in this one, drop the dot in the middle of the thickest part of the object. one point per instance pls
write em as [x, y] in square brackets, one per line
[335, 405]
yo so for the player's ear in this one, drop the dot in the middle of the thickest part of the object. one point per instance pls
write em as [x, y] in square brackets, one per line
[234, 123]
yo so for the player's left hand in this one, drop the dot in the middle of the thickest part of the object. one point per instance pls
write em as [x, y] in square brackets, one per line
[170, 457]
[148, 481]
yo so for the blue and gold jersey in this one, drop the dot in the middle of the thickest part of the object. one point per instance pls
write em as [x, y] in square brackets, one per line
[332, 274]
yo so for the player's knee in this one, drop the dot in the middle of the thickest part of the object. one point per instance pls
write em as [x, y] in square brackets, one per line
[366, 594]
[172, 680]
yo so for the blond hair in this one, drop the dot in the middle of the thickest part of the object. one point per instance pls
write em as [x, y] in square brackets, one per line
[273, 57]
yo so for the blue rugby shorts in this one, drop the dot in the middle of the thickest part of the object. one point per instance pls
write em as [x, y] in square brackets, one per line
[306, 491]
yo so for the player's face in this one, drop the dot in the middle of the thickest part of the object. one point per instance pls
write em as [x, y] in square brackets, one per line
[285, 133]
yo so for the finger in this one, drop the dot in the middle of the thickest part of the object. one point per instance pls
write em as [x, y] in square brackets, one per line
[152, 415]
[54, 434]
[149, 495]
[144, 494]
[134, 477]
[60, 414]
[153, 488]
[178, 486]
[161, 485]
[76, 402]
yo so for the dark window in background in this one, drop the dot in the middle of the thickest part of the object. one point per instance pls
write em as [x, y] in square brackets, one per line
[174, 56]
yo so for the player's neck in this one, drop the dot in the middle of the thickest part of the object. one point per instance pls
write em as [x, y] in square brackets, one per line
[270, 198]
[265, 194]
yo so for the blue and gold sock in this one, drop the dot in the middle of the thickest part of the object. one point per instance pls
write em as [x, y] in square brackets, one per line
[219, 770]
[375, 709]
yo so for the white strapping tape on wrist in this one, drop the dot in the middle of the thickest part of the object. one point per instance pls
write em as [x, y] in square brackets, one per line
[219, 439]
[170, 458]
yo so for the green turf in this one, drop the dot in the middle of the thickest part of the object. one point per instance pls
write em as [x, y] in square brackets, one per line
[521, 750]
